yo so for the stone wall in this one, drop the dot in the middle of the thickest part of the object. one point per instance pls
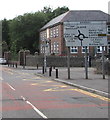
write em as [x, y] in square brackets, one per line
[57, 61]
[106, 67]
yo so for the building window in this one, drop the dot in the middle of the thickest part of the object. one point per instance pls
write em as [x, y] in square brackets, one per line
[51, 48]
[45, 35]
[73, 49]
[55, 47]
[42, 49]
[51, 32]
[83, 49]
[108, 29]
[41, 37]
[109, 47]
[99, 49]
[57, 32]
[54, 32]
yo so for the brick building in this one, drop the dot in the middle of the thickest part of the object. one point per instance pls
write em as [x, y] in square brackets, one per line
[52, 34]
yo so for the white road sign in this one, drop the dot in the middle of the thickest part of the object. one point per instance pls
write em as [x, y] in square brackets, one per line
[85, 33]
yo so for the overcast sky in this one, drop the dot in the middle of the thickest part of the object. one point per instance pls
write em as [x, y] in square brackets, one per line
[9, 9]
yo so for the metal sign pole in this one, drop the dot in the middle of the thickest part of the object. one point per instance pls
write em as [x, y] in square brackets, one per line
[23, 59]
[86, 63]
[103, 64]
[68, 62]
[45, 62]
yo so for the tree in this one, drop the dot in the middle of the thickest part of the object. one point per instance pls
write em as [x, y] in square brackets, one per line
[22, 32]
[5, 31]
[60, 11]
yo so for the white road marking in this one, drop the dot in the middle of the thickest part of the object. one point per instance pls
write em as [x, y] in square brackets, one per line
[1, 78]
[38, 111]
[10, 86]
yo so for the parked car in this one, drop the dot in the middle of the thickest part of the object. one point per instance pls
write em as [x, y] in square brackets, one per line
[3, 61]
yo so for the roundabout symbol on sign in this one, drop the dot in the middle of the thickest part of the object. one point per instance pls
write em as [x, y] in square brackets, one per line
[81, 36]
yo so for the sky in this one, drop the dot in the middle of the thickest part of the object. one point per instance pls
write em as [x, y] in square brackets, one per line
[10, 9]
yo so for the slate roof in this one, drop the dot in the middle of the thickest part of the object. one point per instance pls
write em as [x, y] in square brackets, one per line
[78, 15]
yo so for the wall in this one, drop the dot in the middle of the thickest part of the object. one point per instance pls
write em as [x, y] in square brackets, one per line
[99, 66]
[58, 61]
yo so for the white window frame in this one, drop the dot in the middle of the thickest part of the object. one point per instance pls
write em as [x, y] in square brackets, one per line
[108, 29]
[54, 32]
[51, 48]
[42, 48]
[83, 49]
[57, 47]
[74, 50]
[99, 49]
[57, 32]
[51, 32]
[108, 48]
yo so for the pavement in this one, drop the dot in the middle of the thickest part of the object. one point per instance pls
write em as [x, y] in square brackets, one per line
[95, 82]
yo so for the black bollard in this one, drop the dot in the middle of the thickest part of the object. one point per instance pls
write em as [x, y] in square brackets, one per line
[53, 67]
[16, 65]
[43, 70]
[56, 73]
[37, 66]
[50, 70]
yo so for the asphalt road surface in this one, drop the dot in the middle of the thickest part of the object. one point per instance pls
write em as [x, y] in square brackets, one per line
[26, 95]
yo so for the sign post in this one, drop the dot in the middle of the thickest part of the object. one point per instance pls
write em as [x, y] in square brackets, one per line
[86, 64]
[68, 62]
[45, 59]
[24, 59]
[103, 63]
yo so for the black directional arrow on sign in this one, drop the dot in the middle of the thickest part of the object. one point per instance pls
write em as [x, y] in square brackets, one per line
[81, 36]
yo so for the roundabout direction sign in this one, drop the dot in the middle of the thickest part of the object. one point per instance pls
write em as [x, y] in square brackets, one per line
[87, 33]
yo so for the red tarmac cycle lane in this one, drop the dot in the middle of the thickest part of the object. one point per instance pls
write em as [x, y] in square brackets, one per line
[53, 99]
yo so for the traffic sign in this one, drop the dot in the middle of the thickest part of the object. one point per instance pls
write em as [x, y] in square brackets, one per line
[87, 33]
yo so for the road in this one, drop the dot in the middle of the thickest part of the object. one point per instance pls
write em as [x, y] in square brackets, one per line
[26, 95]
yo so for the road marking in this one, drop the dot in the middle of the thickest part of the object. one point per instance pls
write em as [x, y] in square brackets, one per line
[56, 89]
[10, 86]
[33, 79]
[38, 111]
[1, 78]
[80, 86]
[34, 84]
[93, 95]
[49, 81]
[10, 72]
